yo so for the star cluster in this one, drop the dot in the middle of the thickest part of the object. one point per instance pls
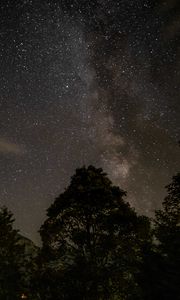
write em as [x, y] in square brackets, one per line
[87, 82]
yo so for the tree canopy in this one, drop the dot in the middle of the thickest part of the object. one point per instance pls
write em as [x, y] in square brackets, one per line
[94, 247]
[167, 233]
[168, 218]
[93, 239]
[11, 254]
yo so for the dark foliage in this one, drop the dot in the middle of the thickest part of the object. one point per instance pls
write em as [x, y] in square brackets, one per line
[11, 258]
[92, 241]
[160, 274]
[167, 232]
[94, 247]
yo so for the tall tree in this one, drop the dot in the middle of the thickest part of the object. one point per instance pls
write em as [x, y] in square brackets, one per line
[167, 231]
[11, 254]
[92, 241]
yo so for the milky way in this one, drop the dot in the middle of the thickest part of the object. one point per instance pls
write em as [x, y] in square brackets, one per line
[87, 82]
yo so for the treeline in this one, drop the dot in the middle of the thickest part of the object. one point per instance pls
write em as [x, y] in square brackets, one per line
[95, 247]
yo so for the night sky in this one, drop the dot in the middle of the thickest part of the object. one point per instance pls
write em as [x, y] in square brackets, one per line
[87, 82]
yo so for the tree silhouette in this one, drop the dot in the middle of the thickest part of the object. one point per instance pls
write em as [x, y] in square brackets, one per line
[167, 231]
[11, 254]
[91, 241]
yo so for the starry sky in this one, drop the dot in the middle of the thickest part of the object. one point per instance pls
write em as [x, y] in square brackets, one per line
[87, 82]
